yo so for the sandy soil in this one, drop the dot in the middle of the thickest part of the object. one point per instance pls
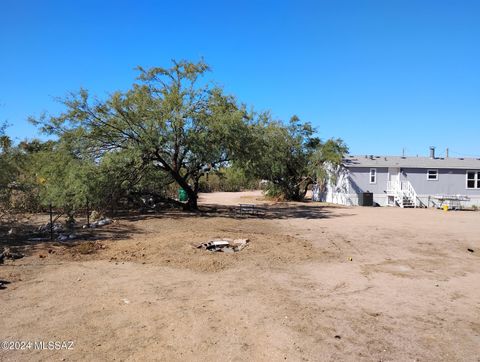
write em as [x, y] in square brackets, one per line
[316, 283]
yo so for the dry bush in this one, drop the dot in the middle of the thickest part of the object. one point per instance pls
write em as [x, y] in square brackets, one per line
[88, 247]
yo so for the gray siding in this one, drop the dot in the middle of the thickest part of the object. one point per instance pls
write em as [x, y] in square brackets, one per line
[360, 180]
[450, 182]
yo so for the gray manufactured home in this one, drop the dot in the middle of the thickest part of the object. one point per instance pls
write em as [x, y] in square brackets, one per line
[406, 181]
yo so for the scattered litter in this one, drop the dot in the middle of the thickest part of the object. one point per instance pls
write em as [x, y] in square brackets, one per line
[126, 301]
[10, 232]
[104, 222]
[8, 254]
[101, 222]
[470, 250]
[64, 237]
[57, 227]
[224, 245]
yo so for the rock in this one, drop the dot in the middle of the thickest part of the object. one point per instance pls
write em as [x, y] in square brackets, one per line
[470, 250]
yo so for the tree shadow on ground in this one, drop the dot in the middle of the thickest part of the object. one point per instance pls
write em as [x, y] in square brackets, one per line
[273, 212]
[277, 211]
[27, 237]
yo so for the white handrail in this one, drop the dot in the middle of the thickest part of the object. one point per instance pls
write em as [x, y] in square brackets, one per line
[408, 189]
[401, 189]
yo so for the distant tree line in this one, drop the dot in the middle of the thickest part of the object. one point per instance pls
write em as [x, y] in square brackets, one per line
[170, 130]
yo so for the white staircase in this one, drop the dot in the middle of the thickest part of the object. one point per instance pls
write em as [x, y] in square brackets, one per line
[404, 194]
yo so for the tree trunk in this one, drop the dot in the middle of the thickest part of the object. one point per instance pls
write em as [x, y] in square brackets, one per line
[192, 194]
[305, 189]
[192, 202]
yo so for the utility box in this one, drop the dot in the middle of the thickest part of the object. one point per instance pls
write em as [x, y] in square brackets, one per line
[365, 199]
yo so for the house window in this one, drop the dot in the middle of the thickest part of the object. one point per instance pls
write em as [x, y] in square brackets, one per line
[432, 175]
[473, 179]
[373, 175]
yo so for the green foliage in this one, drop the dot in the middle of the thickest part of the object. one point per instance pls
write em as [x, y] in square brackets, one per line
[168, 119]
[228, 179]
[290, 156]
[124, 176]
[327, 155]
[170, 130]
[63, 180]
[281, 155]
[36, 174]
[17, 185]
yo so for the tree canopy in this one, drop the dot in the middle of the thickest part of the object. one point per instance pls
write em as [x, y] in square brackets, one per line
[291, 157]
[171, 127]
[169, 118]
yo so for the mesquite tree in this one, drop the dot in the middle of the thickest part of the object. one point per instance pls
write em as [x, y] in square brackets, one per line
[176, 122]
[291, 156]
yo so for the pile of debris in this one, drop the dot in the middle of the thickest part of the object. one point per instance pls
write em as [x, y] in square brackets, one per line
[65, 237]
[224, 245]
[101, 222]
[57, 228]
[8, 254]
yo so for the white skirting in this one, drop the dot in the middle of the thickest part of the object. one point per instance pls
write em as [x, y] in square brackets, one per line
[382, 199]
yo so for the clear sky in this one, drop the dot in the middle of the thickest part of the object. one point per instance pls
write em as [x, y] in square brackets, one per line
[383, 75]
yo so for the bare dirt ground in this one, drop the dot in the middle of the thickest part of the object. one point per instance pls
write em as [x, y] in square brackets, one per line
[316, 283]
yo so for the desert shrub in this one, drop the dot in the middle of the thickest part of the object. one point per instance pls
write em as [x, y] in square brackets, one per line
[274, 192]
[88, 247]
[228, 179]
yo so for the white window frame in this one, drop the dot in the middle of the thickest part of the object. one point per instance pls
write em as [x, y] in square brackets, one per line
[374, 176]
[475, 179]
[432, 179]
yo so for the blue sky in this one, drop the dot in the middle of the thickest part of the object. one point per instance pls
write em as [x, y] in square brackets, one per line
[382, 75]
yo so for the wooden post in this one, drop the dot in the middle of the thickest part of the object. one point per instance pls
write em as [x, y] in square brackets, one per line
[51, 222]
[88, 215]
